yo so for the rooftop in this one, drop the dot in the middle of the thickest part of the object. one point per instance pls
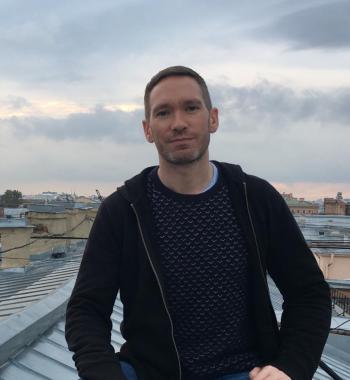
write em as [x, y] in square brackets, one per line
[14, 223]
[299, 203]
[343, 284]
[48, 208]
[15, 212]
[33, 347]
[323, 220]
[20, 289]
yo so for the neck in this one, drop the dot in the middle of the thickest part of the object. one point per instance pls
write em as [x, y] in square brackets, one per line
[186, 179]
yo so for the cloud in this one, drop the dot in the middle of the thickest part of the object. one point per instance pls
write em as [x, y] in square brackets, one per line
[14, 102]
[266, 104]
[100, 124]
[62, 41]
[319, 26]
[273, 131]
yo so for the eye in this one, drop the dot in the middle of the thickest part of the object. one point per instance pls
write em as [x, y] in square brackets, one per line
[162, 113]
[192, 108]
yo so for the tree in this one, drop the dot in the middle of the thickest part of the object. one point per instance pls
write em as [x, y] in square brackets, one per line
[11, 198]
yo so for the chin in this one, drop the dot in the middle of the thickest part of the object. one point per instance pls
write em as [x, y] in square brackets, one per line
[184, 159]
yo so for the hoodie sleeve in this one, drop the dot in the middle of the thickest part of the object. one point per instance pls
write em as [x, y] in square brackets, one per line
[88, 323]
[306, 315]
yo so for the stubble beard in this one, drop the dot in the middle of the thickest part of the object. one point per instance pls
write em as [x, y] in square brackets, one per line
[186, 158]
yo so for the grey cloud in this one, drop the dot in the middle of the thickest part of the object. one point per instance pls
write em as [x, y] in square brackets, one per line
[319, 25]
[276, 106]
[62, 41]
[101, 124]
[59, 40]
[283, 134]
[15, 102]
[242, 109]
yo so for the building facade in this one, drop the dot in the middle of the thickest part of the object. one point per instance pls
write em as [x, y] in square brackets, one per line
[24, 239]
[14, 233]
[335, 206]
[299, 206]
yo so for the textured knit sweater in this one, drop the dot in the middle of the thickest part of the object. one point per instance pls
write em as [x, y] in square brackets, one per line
[205, 267]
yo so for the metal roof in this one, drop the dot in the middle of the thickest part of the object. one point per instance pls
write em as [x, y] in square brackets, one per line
[15, 212]
[14, 223]
[323, 220]
[43, 353]
[19, 289]
[47, 357]
[47, 208]
[336, 353]
[328, 251]
[341, 284]
[298, 203]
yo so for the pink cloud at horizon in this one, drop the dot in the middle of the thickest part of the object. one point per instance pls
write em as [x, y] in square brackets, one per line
[313, 190]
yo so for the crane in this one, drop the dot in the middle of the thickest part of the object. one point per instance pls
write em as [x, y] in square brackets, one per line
[99, 196]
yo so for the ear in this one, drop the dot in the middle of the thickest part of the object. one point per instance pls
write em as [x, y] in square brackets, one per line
[147, 131]
[213, 120]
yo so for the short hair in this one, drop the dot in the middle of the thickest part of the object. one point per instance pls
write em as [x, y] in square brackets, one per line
[176, 71]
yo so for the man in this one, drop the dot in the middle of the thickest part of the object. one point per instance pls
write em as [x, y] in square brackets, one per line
[188, 244]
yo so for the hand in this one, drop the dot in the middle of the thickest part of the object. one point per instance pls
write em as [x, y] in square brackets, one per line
[267, 373]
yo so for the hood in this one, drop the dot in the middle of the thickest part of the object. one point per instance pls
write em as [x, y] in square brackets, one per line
[132, 190]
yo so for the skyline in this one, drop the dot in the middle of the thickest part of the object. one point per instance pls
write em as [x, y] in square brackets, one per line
[297, 190]
[280, 187]
[72, 77]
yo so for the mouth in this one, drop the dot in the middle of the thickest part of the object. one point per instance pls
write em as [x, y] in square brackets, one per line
[181, 140]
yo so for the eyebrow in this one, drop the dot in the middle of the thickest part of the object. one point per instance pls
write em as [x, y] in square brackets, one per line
[196, 102]
[185, 102]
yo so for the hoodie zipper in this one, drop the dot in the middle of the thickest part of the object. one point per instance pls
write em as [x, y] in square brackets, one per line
[255, 238]
[160, 286]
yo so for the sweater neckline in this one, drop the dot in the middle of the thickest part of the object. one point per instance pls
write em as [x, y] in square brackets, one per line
[210, 190]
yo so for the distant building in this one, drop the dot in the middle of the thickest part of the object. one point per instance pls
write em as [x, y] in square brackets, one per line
[64, 201]
[23, 239]
[49, 197]
[299, 206]
[14, 233]
[11, 212]
[87, 200]
[59, 221]
[334, 263]
[335, 206]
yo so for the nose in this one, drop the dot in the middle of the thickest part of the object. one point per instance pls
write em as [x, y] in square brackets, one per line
[179, 123]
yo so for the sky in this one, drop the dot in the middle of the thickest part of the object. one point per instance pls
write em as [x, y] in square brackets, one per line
[73, 73]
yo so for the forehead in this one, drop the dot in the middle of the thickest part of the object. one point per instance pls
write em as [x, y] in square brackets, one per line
[175, 89]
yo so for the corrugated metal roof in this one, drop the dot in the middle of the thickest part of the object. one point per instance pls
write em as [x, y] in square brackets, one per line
[277, 302]
[336, 358]
[18, 290]
[48, 356]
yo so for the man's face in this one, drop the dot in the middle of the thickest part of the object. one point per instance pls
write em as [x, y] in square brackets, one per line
[179, 122]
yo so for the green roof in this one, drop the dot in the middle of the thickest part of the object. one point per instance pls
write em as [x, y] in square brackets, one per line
[297, 203]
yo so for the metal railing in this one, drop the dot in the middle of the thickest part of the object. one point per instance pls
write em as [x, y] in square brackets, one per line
[341, 300]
